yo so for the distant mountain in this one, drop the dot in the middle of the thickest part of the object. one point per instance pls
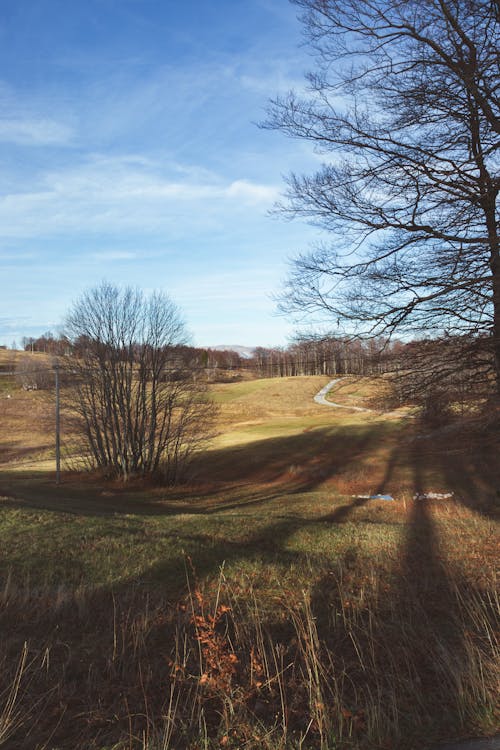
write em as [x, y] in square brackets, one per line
[244, 351]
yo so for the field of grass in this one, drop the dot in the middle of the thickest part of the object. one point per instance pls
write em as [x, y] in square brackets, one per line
[267, 604]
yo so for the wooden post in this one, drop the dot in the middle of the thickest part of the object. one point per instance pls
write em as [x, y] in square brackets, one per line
[58, 426]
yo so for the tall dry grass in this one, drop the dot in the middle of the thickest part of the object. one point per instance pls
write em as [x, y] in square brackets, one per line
[359, 661]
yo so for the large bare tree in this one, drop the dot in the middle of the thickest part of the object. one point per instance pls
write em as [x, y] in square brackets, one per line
[404, 107]
[141, 409]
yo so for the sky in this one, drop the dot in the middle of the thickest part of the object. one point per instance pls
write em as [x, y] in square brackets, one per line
[129, 152]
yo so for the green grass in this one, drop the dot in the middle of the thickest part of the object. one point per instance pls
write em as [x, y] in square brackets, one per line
[80, 548]
[225, 393]
[342, 590]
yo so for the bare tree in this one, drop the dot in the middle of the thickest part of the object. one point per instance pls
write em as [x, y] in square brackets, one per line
[404, 105]
[425, 374]
[140, 408]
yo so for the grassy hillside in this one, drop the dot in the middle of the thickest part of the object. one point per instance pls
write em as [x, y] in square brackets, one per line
[268, 604]
[26, 417]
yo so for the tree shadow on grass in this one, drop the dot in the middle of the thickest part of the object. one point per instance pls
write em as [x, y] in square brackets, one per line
[405, 660]
[467, 461]
[316, 454]
[129, 669]
[415, 658]
[106, 658]
[474, 479]
[291, 464]
[467, 467]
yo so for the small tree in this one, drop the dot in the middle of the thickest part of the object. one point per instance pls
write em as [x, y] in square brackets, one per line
[139, 408]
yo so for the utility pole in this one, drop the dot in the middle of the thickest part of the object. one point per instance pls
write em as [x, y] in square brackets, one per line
[58, 425]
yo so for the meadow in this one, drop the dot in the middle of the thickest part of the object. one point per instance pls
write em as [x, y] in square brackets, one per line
[269, 603]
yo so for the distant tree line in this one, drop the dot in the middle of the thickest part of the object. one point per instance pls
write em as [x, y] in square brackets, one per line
[47, 343]
[325, 355]
[422, 372]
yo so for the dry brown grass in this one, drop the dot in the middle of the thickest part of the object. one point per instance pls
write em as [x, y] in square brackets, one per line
[263, 606]
[372, 653]
[26, 417]
[257, 400]
[27, 428]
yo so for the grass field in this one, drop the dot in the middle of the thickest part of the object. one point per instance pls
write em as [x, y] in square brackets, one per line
[267, 604]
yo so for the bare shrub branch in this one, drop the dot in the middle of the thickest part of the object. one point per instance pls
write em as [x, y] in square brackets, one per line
[139, 405]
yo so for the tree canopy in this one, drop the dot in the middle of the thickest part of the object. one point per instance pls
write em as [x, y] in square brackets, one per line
[403, 106]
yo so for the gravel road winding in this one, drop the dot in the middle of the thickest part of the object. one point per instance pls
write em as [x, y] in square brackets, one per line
[320, 398]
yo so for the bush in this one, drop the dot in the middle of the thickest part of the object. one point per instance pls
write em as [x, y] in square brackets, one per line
[32, 374]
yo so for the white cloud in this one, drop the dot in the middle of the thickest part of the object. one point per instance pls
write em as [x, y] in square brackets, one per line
[110, 194]
[34, 132]
[240, 284]
[276, 79]
[249, 191]
[108, 256]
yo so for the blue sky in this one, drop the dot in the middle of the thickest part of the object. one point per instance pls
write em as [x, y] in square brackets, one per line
[129, 152]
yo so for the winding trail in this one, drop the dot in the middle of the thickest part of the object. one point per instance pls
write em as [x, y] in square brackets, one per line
[320, 398]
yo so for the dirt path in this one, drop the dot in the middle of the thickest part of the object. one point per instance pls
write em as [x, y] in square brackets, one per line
[320, 398]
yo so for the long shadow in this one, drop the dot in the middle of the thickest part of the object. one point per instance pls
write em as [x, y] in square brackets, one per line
[390, 469]
[208, 548]
[317, 454]
[292, 464]
[468, 465]
[270, 540]
[474, 479]
[439, 606]
[417, 618]
[41, 494]
[342, 513]
[411, 650]
[78, 640]
[426, 593]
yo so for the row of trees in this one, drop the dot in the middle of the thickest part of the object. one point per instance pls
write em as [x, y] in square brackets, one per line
[324, 355]
[47, 343]
[318, 355]
[180, 353]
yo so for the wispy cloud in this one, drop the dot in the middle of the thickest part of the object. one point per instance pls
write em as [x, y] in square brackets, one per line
[9, 325]
[276, 78]
[108, 256]
[239, 286]
[249, 191]
[109, 194]
[34, 132]
[128, 143]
